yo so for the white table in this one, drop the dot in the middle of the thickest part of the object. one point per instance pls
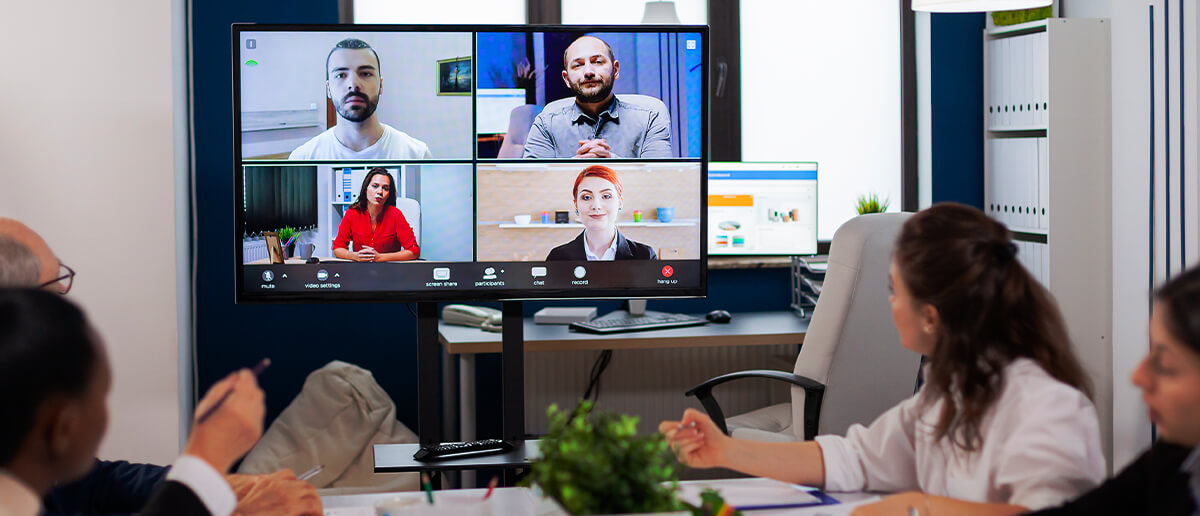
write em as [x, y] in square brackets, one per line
[517, 501]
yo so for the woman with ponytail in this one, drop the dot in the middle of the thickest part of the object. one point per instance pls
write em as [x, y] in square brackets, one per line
[1003, 423]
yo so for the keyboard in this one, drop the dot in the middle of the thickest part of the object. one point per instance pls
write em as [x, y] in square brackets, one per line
[648, 322]
[446, 451]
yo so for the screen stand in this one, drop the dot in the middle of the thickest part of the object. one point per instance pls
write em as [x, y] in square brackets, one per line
[512, 373]
[635, 307]
[429, 380]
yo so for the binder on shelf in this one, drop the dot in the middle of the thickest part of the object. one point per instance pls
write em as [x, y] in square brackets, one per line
[1030, 168]
[1043, 183]
[1019, 75]
[993, 84]
[1041, 68]
[1005, 82]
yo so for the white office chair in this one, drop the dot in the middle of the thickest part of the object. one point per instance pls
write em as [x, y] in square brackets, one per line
[851, 367]
[412, 212]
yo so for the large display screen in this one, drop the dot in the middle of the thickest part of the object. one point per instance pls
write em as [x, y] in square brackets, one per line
[412, 163]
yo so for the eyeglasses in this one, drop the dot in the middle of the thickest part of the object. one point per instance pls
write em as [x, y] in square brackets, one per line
[66, 278]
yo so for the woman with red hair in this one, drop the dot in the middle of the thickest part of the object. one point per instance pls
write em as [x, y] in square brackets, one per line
[597, 197]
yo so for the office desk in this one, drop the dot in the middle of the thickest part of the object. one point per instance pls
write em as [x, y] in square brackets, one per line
[745, 329]
[518, 501]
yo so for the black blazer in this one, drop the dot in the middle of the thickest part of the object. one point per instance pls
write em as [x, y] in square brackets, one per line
[626, 250]
[111, 487]
[174, 499]
[1152, 484]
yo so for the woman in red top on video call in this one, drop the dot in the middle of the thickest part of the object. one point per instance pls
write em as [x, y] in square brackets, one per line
[376, 226]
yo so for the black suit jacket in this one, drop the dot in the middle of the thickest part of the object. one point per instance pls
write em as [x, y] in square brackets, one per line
[110, 488]
[626, 250]
[174, 499]
[1151, 485]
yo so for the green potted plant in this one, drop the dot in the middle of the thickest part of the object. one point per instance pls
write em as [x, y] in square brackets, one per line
[871, 203]
[595, 463]
[287, 237]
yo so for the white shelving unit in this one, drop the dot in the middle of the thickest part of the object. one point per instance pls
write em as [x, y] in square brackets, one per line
[1048, 172]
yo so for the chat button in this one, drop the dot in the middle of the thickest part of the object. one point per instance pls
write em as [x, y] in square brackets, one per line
[538, 272]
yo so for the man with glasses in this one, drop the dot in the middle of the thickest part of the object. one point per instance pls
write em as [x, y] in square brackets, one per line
[119, 487]
[24, 256]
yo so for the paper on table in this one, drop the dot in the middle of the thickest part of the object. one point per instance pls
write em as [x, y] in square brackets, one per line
[763, 492]
[841, 509]
[351, 511]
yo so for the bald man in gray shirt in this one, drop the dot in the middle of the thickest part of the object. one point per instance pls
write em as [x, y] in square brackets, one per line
[597, 123]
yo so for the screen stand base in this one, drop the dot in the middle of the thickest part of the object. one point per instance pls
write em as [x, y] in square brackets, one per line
[512, 371]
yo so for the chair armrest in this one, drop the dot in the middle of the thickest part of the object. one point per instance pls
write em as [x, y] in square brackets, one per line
[813, 390]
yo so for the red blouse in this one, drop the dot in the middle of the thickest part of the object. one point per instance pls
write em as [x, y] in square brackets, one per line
[391, 235]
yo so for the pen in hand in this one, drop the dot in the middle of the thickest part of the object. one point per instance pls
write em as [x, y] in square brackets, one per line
[257, 370]
[311, 473]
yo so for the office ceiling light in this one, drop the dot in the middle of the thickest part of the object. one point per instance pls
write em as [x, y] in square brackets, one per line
[969, 6]
[660, 13]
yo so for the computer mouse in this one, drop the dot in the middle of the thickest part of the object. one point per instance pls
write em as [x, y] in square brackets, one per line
[719, 316]
[313, 259]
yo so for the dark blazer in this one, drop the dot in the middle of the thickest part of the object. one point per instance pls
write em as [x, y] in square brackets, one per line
[626, 250]
[1152, 484]
[111, 487]
[174, 499]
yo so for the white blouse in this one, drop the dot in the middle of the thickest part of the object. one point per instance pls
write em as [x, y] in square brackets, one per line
[1040, 447]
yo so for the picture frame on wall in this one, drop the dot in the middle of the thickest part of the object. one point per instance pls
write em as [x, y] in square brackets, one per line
[454, 76]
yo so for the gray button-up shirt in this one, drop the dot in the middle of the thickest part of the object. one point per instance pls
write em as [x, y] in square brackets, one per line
[635, 126]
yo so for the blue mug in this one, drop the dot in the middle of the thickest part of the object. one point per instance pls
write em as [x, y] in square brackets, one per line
[666, 214]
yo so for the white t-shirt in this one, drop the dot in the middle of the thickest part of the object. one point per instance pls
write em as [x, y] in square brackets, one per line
[394, 144]
[1041, 447]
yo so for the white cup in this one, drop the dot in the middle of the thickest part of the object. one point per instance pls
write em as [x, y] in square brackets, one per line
[523, 218]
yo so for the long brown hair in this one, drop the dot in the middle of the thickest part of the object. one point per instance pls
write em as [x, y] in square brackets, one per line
[360, 204]
[990, 311]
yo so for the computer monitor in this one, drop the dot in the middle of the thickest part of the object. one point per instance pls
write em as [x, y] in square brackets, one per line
[442, 163]
[762, 208]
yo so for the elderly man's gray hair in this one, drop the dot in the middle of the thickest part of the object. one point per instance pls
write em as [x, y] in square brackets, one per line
[19, 267]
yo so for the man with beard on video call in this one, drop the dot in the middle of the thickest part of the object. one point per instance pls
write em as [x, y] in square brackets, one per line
[596, 123]
[354, 83]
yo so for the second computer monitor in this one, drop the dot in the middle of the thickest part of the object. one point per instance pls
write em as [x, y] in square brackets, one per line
[762, 208]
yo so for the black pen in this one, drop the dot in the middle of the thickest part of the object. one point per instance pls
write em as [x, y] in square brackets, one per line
[257, 370]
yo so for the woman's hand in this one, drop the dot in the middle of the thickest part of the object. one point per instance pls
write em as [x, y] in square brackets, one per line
[896, 505]
[696, 440]
[366, 254]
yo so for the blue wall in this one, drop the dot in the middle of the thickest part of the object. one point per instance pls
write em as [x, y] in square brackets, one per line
[956, 49]
[301, 338]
